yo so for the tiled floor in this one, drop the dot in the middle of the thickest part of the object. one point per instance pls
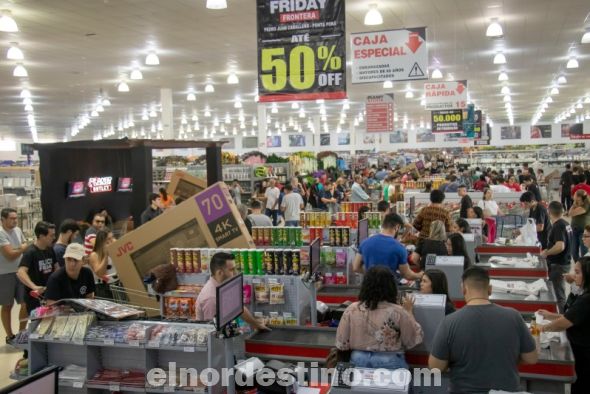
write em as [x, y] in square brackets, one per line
[8, 355]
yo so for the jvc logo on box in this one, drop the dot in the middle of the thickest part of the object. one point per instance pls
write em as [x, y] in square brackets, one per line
[126, 248]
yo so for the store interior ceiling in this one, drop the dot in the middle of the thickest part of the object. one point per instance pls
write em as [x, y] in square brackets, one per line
[76, 51]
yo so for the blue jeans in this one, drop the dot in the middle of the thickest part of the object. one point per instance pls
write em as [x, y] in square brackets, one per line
[386, 360]
[292, 223]
[273, 214]
[578, 247]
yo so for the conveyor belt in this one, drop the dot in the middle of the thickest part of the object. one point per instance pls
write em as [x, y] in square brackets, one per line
[313, 344]
[502, 271]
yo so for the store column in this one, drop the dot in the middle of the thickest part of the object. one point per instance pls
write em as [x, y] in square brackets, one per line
[167, 114]
[214, 170]
[316, 133]
[262, 128]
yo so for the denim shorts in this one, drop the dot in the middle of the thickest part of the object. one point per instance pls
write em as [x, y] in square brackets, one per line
[386, 360]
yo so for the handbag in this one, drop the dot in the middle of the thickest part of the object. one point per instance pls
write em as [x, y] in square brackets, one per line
[164, 278]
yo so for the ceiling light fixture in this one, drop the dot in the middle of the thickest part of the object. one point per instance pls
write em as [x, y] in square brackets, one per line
[494, 29]
[216, 4]
[152, 59]
[507, 98]
[238, 104]
[207, 113]
[562, 79]
[29, 108]
[549, 100]
[274, 109]
[153, 114]
[554, 90]
[27, 101]
[136, 74]
[503, 77]
[14, 52]
[20, 71]
[388, 85]
[25, 93]
[232, 79]
[436, 74]
[123, 87]
[94, 113]
[209, 88]
[195, 118]
[499, 58]
[572, 63]
[579, 105]
[295, 105]
[106, 102]
[100, 108]
[191, 97]
[7, 23]
[587, 100]
[505, 90]
[586, 37]
[409, 94]
[346, 106]
[373, 16]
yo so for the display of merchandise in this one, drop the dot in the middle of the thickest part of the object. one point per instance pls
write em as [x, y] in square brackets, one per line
[277, 236]
[347, 219]
[72, 373]
[123, 333]
[374, 219]
[190, 260]
[315, 219]
[104, 307]
[122, 378]
[179, 335]
[420, 184]
[180, 308]
[354, 206]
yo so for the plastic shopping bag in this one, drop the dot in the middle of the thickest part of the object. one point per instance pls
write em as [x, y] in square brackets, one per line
[528, 234]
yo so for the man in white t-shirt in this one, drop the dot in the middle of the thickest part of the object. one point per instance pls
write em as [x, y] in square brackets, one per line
[272, 195]
[12, 247]
[291, 206]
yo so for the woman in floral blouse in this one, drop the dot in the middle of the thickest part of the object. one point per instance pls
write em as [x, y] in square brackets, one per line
[376, 328]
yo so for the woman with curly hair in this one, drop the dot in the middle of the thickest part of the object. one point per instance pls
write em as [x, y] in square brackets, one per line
[376, 329]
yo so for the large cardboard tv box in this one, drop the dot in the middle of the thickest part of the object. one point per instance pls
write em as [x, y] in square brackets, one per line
[184, 185]
[208, 219]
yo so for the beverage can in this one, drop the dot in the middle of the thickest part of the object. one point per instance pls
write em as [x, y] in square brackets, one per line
[258, 261]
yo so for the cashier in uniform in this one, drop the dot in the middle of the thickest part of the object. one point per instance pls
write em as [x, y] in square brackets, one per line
[576, 323]
[222, 267]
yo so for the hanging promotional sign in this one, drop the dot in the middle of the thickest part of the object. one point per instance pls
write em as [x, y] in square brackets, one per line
[379, 118]
[576, 131]
[447, 121]
[391, 55]
[301, 50]
[445, 95]
[478, 124]
[486, 133]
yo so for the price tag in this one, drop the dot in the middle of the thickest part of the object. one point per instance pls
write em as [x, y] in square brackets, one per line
[78, 385]
[301, 53]
[134, 343]
[155, 344]
[114, 387]
[109, 342]
[189, 349]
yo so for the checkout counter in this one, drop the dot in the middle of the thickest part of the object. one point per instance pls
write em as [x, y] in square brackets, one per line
[486, 251]
[311, 344]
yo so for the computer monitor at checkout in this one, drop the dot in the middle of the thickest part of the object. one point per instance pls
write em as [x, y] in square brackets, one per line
[230, 302]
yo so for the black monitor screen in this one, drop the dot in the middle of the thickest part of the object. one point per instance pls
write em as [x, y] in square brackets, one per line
[43, 382]
[363, 232]
[76, 189]
[314, 255]
[230, 301]
[125, 185]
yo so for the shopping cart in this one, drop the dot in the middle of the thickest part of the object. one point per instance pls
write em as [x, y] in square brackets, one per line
[121, 296]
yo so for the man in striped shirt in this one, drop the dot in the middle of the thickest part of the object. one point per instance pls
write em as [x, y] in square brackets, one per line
[98, 223]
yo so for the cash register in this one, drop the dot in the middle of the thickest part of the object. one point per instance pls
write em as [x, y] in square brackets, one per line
[452, 266]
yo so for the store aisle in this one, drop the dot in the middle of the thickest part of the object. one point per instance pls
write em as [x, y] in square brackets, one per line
[8, 355]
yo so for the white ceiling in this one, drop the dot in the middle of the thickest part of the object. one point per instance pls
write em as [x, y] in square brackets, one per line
[74, 48]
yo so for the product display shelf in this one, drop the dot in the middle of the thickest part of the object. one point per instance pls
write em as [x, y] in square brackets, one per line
[140, 356]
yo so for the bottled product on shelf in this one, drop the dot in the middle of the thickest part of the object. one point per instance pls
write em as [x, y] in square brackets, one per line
[188, 260]
[277, 236]
[347, 219]
[315, 219]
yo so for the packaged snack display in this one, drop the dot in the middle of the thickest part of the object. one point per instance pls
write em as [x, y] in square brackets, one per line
[277, 236]
[247, 294]
[178, 335]
[341, 257]
[59, 325]
[182, 308]
[277, 293]
[84, 321]
[289, 319]
[44, 326]
[276, 319]
[340, 278]
[136, 332]
[261, 292]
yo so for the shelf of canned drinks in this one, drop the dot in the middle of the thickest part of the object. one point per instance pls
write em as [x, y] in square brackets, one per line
[298, 236]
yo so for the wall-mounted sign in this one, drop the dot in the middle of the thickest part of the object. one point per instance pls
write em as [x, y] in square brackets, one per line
[301, 50]
[447, 121]
[379, 116]
[391, 55]
[76, 189]
[445, 95]
[100, 184]
[125, 185]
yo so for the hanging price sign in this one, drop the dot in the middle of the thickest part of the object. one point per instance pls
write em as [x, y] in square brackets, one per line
[301, 50]
[447, 121]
